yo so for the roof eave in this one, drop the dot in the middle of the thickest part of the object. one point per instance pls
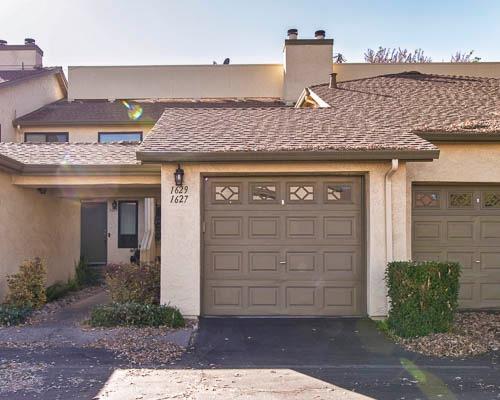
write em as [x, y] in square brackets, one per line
[460, 136]
[10, 165]
[22, 124]
[105, 169]
[62, 79]
[373, 155]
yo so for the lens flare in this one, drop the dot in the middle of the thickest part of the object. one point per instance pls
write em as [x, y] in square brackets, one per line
[134, 111]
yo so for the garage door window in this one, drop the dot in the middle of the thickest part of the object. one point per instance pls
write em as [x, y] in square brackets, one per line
[460, 200]
[302, 192]
[226, 193]
[338, 193]
[263, 192]
[491, 200]
[427, 199]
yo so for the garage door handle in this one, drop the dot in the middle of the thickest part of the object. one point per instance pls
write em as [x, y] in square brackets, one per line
[282, 262]
[478, 261]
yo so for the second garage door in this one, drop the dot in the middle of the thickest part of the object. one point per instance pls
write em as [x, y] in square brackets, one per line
[461, 223]
[283, 246]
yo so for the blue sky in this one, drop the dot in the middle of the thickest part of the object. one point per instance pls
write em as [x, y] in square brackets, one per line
[110, 32]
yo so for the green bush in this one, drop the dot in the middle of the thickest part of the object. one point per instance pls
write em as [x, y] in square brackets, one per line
[135, 314]
[27, 287]
[134, 283]
[85, 275]
[10, 315]
[61, 289]
[423, 297]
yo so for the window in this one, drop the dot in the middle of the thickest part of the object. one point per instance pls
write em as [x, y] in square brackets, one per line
[42, 137]
[460, 200]
[300, 192]
[338, 192]
[263, 192]
[127, 224]
[426, 199]
[107, 137]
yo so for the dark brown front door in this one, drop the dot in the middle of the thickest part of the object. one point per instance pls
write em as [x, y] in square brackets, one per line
[94, 224]
[283, 246]
[461, 223]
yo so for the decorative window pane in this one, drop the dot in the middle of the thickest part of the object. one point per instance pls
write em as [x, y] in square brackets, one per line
[338, 192]
[491, 200]
[227, 193]
[264, 192]
[460, 200]
[301, 192]
[426, 199]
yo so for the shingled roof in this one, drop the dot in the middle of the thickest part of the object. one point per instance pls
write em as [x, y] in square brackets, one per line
[418, 102]
[102, 112]
[10, 77]
[69, 154]
[182, 134]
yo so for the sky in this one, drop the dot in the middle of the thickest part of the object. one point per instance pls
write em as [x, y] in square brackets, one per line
[138, 32]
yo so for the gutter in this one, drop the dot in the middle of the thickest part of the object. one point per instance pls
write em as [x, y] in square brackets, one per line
[389, 247]
[372, 155]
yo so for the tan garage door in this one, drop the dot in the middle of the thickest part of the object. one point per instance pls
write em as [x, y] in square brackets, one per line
[283, 246]
[461, 223]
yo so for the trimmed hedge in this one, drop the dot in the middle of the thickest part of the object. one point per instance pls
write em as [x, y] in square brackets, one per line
[10, 315]
[27, 287]
[423, 296]
[135, 314]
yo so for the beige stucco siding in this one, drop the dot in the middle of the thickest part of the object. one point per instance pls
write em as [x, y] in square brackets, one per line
[82, 133]
[23, 98]
[32, 224]
[181, 226]
[175, 81]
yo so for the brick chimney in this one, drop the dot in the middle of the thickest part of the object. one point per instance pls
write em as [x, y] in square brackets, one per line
[306, 62]
[20, 56]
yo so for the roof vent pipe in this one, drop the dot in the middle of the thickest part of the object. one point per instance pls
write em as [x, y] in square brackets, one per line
[319, 34]
[333, 81]
[29, 41]
[3, 42]
[293, 34]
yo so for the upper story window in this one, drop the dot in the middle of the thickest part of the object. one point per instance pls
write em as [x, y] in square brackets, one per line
[41, 137]
[108, 137]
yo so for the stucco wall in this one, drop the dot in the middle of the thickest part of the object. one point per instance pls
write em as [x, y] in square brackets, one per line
[23, 98]
[181, 232]
[175, 81]
[32, 224]
[82, 133]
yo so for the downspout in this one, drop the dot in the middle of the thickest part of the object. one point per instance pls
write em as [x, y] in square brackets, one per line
[389, 248]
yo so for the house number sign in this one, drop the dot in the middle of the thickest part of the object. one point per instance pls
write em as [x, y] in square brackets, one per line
[179, 194]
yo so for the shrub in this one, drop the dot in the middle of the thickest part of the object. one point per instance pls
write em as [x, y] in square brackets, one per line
[61, 289]
[10, 315]
[27, 287]
[423, 297]
[135, 314]
[134, 283]
[85, 275]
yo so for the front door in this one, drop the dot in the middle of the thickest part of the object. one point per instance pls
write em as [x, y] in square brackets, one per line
[94, 232]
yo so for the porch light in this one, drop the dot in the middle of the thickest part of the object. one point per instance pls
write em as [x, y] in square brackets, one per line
[114, 205]
[179, 175]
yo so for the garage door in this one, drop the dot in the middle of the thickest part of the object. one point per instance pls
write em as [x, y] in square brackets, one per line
[461, 223]
[283, 246]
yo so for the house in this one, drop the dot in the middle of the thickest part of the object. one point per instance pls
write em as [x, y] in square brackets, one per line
[268, 189]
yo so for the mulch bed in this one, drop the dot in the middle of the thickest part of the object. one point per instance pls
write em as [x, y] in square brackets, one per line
[473, 333]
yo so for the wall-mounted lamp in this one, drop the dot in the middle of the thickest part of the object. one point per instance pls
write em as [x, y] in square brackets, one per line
[179, 175]
[114, 205]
